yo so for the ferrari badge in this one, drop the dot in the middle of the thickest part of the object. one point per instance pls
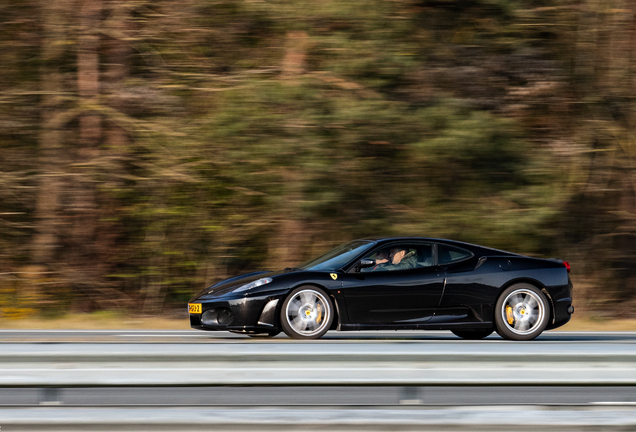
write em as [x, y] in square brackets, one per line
[333, 276]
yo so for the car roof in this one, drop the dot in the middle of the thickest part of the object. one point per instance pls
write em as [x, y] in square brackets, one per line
[485, 250]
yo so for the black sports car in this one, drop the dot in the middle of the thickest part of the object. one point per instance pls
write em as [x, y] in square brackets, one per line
[395, 284]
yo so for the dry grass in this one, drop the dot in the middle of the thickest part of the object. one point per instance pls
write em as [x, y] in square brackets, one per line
[591, 323]
[98, 321]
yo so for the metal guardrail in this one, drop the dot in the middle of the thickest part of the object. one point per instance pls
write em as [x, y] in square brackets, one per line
[409, 370]
[316, 396]
[310, 364]
[279, 419]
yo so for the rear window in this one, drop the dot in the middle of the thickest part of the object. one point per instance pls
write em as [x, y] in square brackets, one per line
[448, 254]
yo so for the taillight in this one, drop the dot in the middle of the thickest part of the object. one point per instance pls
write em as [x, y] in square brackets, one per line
[567, 265]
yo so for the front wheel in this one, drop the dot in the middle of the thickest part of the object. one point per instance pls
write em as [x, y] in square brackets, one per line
[521, 312]
[472, 334]
[307, 313]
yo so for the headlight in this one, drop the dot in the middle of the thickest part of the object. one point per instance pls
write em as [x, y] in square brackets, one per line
[254, 284]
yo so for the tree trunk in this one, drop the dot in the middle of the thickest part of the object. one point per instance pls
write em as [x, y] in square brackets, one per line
[83, 207]
[115, 138]
[88, 74]
[46, 237]
[117, 69]
[632, 71]
[295, 56]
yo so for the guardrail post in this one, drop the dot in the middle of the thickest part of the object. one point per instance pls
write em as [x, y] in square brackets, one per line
[409, 395]
[50, 396]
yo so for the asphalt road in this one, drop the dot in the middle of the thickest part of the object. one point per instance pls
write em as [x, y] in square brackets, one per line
[196, 337]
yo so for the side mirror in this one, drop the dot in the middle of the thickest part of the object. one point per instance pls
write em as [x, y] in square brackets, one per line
[366, 263]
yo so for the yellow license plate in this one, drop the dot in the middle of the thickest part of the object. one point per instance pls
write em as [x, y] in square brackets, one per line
[194, 307]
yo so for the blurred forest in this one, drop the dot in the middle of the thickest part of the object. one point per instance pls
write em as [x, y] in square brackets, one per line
[148, 148]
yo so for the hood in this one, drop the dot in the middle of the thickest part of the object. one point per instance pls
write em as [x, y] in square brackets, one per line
[227, 285]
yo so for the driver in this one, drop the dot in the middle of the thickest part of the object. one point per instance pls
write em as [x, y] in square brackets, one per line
[400, 259]
[396, 259]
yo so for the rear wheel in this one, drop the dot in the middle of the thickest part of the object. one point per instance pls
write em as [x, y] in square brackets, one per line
[472, 334]
[521, 313]
[307, 313]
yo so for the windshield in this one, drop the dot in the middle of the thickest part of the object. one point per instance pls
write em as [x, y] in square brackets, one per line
[336, 258]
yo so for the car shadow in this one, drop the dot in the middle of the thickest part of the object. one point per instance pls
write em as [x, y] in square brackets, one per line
[425, 336]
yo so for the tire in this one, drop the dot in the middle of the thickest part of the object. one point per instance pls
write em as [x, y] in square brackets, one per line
[473, 334]
[307, 313]
[521, 312]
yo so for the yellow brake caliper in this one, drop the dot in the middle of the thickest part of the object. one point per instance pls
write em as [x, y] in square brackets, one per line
[509, 316]
[319, 318]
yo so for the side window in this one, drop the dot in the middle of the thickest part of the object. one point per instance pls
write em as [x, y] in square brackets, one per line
[401, 257]
[448, 254]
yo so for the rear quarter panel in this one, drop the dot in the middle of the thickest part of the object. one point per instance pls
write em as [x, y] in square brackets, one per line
[475, 292]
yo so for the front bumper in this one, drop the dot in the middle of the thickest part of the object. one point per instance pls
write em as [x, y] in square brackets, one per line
[257, 314]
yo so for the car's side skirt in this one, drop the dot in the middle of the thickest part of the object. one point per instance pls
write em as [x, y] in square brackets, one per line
[432, 326]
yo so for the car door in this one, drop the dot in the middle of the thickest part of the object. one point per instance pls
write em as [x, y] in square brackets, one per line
[401, 297]
[463, 294]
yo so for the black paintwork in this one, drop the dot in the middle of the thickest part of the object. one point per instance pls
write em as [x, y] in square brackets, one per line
[460, 295]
